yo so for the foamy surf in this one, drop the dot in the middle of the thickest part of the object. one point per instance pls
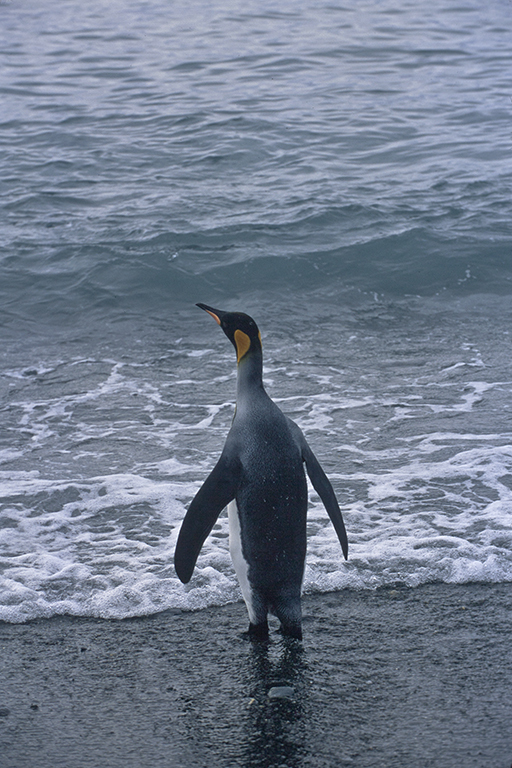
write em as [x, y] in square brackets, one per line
[104, 547]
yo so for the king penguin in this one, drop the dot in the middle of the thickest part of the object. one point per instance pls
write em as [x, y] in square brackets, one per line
[260, 478]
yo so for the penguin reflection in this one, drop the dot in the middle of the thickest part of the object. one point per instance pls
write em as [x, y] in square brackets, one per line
[275, 732]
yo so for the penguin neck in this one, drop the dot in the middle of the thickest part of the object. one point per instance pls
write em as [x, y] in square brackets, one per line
[249, 382]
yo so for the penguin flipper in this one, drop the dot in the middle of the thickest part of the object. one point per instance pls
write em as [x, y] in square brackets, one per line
[323, 487]
[217, 491]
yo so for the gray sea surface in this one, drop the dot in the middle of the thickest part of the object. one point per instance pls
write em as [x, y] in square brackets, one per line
[340, 172]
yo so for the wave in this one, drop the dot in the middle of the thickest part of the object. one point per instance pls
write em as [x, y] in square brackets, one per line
[104, 547]
[232, 261]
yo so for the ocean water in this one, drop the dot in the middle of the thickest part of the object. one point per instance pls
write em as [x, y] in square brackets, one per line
[343, 173]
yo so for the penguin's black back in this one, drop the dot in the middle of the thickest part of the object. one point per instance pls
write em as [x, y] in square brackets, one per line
[272, 495]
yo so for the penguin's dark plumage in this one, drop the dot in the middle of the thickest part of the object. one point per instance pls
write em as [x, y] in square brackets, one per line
[260, 478]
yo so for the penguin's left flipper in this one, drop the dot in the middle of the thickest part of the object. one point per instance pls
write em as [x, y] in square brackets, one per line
[217, 491]
[323, 487]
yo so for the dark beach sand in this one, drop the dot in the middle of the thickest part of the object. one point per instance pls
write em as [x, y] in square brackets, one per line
[406, 677]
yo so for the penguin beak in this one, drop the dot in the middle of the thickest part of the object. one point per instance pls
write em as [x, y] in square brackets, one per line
[215, 313]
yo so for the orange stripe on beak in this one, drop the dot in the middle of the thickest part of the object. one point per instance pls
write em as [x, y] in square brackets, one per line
[215, 317]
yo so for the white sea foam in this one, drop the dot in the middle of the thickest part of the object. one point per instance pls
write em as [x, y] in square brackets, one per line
[104, 547]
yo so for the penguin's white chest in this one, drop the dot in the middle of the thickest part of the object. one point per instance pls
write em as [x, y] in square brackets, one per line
[239, 563]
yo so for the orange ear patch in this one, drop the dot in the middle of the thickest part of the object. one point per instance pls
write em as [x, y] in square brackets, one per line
[243, 344]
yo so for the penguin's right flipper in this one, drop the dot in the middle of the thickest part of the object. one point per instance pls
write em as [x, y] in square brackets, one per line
[322, 486]
[217, 491]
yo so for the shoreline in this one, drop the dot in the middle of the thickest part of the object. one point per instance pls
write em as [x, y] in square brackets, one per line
[407, 678]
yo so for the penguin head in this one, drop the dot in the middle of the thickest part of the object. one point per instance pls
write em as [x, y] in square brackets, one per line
[240, 329]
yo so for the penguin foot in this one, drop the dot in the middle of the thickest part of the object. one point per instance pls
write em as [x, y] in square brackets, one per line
[258, 631]
[292, 630]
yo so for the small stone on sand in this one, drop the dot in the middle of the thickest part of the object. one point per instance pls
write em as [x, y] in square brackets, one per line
[281, 692]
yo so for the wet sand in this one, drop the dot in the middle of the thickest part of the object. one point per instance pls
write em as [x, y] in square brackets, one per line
[402, 678]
